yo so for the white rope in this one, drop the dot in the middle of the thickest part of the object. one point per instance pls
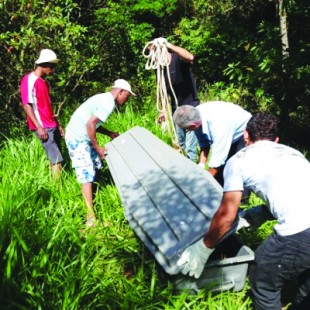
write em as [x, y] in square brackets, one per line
[158, 58]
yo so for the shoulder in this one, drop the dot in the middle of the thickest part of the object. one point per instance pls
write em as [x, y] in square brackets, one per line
[29, 82]
[27, 77]
[98, 98]
[101, 99]
[210, 107]
[292, 154]
[239, 159]
[107, 98]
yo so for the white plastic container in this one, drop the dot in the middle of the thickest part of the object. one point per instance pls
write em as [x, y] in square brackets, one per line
[226, 269]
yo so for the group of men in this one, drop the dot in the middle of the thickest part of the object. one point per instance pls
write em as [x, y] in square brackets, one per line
[80, 134]
[245, 156]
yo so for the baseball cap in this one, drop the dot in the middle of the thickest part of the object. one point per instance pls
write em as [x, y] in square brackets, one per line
[123, 84]
[47, 55]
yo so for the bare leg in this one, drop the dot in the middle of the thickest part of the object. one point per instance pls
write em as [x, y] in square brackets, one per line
[87, 192]
[56, 170]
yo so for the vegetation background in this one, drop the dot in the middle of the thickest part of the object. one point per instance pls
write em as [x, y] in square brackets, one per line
[45, 260]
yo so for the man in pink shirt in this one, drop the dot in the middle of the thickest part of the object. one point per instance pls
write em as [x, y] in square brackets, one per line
[36, 101]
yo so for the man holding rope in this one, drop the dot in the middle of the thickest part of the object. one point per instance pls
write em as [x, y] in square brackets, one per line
[181, 88]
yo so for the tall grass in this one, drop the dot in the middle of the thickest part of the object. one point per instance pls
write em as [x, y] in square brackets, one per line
[49, 261]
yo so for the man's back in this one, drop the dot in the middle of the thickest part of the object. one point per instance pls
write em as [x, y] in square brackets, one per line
[280, 175]
[100, 105]
[183, 83]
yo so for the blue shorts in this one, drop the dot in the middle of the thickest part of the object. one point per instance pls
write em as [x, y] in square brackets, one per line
[85, 160]
[52, 145]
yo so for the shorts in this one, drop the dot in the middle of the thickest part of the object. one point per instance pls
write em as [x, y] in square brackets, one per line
[52, 145]
[85, 160]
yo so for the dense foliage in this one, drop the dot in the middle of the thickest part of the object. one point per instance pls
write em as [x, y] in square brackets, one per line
[237, 46]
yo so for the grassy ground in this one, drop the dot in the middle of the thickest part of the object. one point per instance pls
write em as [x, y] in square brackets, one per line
[49, 261]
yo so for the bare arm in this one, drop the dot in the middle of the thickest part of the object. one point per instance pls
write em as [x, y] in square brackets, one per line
[223, 218]
[194, 258]
[91, 131]
[30, 113]
[182, 52]
[107, 132]
[213, 171]
[61, 130]
[203, 156]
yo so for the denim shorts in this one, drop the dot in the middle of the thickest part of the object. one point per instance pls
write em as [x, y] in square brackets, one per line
[52, 145]
[85, 160]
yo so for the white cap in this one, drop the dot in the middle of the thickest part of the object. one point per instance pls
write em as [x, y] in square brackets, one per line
[47, 55]
[123, 84]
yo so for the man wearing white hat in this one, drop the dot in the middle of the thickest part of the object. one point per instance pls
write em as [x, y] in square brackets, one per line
[36, 101]
[84, 149]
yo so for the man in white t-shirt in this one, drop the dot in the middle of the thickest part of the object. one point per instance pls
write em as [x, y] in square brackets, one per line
[81, 140]
[280, 175]
[218, 125]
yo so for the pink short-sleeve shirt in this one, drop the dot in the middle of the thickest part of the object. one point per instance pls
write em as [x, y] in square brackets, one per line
[35, 91]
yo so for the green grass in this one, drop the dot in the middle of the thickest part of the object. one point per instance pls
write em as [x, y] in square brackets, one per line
[49, 261]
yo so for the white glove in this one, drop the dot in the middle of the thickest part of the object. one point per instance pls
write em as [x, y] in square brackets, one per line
[254, 217]
[194, 258]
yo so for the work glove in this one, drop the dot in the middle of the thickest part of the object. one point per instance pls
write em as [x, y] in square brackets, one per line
[254, 217]
[194, 258]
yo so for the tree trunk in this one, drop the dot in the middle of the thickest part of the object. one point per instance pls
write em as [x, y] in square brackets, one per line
[283, 29]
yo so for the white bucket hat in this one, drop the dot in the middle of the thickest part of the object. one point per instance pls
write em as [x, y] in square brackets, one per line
[47, 55]
[123, 84]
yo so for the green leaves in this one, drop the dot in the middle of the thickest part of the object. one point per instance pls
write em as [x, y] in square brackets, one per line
[158, 8]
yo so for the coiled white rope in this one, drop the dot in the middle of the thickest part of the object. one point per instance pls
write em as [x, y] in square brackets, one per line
[158, 58]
